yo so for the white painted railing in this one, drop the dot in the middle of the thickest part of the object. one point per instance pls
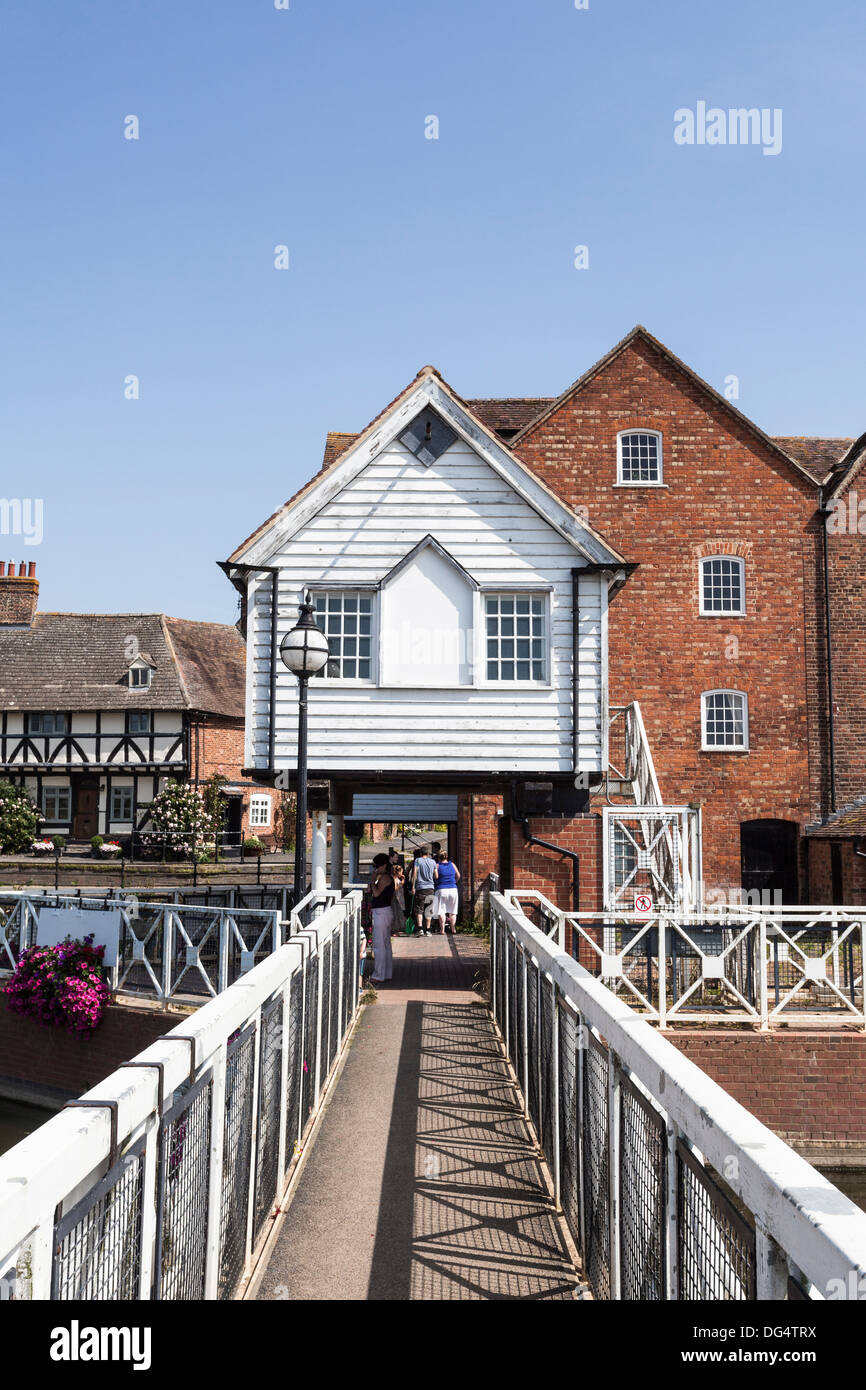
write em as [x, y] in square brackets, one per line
[161, 1181]
[671, 1189]
[167, 950]
[759, 965]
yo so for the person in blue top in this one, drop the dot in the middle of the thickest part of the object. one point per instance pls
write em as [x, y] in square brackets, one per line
[447, 876]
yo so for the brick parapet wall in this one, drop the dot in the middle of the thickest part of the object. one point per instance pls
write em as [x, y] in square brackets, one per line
[806, 1087]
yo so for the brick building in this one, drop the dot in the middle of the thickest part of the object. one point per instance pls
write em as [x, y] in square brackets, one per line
[99, 711]
[711, 617]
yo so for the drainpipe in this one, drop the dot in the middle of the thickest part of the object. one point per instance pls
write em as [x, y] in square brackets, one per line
[824, 512]
[531, 839]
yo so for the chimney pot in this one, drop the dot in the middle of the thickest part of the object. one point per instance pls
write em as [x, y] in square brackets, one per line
[2, 568]
[31, 569]
[22, 570]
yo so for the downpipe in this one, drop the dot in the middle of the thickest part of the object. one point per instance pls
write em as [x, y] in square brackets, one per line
[530, 839]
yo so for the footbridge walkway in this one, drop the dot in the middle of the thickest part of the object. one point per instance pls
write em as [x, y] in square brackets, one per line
[284, 1142]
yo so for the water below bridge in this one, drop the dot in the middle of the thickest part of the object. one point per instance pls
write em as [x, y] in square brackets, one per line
[424, 1181]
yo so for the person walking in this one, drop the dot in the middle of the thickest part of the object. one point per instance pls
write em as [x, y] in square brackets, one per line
[447, 877]
[382, 905]
[423, 887]
[395, 863]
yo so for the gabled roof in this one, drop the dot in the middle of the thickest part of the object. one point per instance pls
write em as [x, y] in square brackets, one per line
[820, 457]
[427, 388]
[78, 661]
[848, 468]
[427, 543]
[639, 333]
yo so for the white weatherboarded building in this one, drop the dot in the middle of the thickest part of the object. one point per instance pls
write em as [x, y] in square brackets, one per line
[465, 607]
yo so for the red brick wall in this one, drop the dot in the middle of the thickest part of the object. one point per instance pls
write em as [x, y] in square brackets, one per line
[846, 554]
[853, 868]
[722, 485]
[551, 873]
[807, 1087]
[218, 746]
[60, 1063]
[18, 598]
[485, 839]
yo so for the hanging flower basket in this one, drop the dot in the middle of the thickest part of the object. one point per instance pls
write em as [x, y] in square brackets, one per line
[65, 985]
[42, 847]
[109, 849]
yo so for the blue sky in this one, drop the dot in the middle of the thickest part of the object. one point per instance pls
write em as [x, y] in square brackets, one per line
[306, 127]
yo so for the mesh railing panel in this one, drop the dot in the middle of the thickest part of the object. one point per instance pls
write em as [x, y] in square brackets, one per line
[532, 1002]
[596, 1168]
[334, 1028]
[642, 1170]
[237, 1144]
[517, 1015]
[548, 1069]
[325, 969]
[295, 1062]
[511, 987]
[184, 1173]
[308, 1065]
[268, 1118]
[97, 1246]
[716, 1243]
[569, 1171]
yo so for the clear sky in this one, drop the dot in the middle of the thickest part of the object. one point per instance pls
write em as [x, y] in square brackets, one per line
[305, 127]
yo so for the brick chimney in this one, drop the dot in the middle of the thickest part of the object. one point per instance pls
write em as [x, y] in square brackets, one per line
[19, 594]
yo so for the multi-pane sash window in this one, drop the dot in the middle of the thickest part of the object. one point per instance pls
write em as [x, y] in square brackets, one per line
[139, 677]
[121, 803]
[347, 621]
[725, 719]
[260, 810]
[640, 457]
[140, 721]
[516, 635]
[56, 804]
[46, 723]
[722, 586]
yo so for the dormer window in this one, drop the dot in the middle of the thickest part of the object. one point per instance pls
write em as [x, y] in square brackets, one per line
[639, 458]
[140, 674]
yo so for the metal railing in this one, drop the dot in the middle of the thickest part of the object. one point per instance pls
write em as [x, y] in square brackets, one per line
[671, 1189]
[759, 965]
[166, 950]
[161, 1181]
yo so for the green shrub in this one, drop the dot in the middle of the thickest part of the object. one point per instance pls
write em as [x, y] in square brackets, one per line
[96, 842]
[59, 843]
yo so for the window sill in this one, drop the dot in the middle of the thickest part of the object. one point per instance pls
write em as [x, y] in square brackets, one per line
[703, 614]
[660, 486]
[716, 748]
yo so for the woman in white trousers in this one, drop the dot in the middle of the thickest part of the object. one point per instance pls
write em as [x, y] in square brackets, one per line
[381, 905]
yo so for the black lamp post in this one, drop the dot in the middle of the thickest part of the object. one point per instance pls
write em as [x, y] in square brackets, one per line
[304, 651]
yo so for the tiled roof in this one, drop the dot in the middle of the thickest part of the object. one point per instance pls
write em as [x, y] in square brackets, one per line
[78, 661]
[509, 413]
[818, 456]
[849, 821]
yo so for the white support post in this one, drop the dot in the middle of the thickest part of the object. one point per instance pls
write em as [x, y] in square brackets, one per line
[167, 951]
[284, 1085]
[613, 1149]
[148, 1275]
[254, 1144]
[354, 859]
[663, 973]
[763, 998]
[582, 1045]
[772, 1270]
[337, 832]
[318, 855]
[37, 1288]
[223, 964]
[554, 1062]
[502, 931]
[317, 1069]
[672, 1243]
[525, 1027]
[215, 1177]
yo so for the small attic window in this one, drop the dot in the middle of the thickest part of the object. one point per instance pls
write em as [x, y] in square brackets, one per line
[428, 436]
[140, 673]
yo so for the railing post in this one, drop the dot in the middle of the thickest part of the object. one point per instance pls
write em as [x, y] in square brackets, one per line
[284, 1079]
[223, 963]
[167, 951]
[506, 991]
[317, 1071]
[150, 1214]
[554, 1062]
[771, 1276]
[582, 1045]
[525, 1026]
[663, 972]
[763, 1001]
[613, 1138]
[215, 1177]
[254, 1143]
[672, 1243]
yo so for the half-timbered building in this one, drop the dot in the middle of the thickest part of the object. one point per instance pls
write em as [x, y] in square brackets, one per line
[98, 711]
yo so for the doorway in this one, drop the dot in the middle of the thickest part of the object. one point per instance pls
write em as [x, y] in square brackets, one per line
[85, 823]
[768, 861]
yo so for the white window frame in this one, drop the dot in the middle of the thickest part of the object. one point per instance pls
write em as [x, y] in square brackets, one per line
[259, 803]
[121, 791]
[57, 790]
[722, 612]
[637, 482]
[533, 683]
[360, 592]
[146, 672]
[724, 747]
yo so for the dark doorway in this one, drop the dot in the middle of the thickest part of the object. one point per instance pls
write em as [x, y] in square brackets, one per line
[85, 823]
[768, 860]
[234, 817]
[505, 869]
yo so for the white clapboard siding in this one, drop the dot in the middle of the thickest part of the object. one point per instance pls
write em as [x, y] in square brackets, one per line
[502, 542]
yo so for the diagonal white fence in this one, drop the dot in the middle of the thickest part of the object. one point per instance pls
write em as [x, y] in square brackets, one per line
[160, 1182]
[671, 1189]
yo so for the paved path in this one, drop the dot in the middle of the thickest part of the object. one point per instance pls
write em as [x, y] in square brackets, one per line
[423, 1182]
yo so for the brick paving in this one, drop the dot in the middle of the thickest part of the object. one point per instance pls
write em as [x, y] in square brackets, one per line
[423, 1181]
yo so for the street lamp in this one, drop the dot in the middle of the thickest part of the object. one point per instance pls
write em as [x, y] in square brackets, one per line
[304, 651]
